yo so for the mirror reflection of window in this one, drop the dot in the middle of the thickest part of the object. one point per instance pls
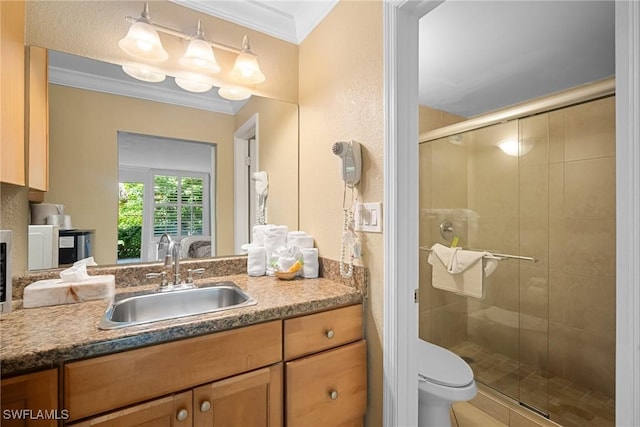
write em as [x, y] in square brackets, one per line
[130, 220]
[177, 194]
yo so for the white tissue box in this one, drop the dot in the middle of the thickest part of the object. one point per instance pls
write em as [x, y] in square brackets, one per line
[55, 291]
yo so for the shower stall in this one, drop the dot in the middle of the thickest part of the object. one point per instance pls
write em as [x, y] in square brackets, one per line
[539, 187]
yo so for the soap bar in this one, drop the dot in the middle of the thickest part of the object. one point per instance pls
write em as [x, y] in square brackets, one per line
[54, 292]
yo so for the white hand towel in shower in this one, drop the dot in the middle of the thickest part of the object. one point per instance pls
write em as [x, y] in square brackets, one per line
[460, 271]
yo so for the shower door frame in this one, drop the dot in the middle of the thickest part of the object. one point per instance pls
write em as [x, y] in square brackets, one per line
[400, 387]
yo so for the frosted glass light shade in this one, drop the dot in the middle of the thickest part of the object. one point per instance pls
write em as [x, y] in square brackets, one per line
[199, 56]
[514, 147]
[233, 93]
[246, 69]
[193, 85]
[143, 74]
[142, 42]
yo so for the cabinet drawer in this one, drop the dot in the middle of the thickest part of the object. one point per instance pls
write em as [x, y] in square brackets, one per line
[321, 331]
[312, 381]
[96, 385]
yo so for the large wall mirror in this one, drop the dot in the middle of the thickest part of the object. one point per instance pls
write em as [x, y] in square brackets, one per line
[99, 139]
[94, 106]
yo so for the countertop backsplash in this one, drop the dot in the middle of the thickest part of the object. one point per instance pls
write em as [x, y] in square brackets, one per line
[134, 274]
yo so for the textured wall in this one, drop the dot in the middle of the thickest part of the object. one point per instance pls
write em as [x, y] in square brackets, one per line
[341, 98]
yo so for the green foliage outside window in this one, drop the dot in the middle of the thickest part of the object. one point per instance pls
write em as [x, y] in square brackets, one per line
[130, 220]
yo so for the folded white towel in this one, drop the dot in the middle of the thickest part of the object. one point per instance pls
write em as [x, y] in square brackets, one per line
[458, 260]
[311, 265]
[256, 261]
[460, 271]
[274, 237]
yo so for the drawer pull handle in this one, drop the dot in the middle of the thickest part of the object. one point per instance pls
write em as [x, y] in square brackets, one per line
[333, 394]
[183, 414]
[330, 333]
[205, 406]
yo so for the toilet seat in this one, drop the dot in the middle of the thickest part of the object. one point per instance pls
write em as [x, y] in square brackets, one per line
[441, 366]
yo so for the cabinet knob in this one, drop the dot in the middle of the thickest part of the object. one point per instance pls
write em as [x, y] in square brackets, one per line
[333, 394]
[205, 406]
[329, 333]
[183, 414]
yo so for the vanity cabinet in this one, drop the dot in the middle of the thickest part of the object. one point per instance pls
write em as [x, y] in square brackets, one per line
[252, 399]
[37, 391]
[303, 371]
[12, 77]
[326, 369]
[102, 384]
[170, 411]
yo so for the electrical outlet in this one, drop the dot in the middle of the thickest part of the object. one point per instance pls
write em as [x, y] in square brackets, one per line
[368, 217]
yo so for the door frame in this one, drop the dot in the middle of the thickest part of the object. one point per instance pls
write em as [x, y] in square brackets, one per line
[400, 385]
[242, 209]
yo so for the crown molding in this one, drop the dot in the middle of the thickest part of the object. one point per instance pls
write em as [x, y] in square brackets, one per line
[72, 78]
[270, 19]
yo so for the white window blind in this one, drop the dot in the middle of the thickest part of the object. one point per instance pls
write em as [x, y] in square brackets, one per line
[179, 205]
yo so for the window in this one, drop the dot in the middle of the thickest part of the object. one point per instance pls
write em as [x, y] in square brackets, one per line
[180, 204]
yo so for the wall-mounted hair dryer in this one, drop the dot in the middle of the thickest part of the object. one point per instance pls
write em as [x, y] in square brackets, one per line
[351, 165]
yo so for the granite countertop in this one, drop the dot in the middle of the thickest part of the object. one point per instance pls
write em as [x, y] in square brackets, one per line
[38, 338]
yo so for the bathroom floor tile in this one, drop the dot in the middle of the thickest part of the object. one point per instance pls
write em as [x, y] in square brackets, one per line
[467, 415]
[567, 404]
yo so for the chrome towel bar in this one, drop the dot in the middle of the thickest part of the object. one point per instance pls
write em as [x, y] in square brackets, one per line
[500, 257]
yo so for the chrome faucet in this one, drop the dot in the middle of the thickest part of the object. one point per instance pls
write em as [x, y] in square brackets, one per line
[164, 243]
[174, 249]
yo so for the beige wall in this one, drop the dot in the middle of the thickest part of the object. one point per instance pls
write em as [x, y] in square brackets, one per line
[341, 98]
[84, 156]
[278, 152]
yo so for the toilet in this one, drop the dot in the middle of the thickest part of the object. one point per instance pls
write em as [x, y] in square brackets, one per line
[444, 378]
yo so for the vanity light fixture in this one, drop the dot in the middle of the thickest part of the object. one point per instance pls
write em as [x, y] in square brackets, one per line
[142, 42]
[246, 68]
[193, 84]
[199, 55]
[233, 93]
[144, 74]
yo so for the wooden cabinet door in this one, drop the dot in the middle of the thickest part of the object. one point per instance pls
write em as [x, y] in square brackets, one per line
[105, 383]
[32, 392]
[252, 399]
[38, 136]
[12, 153]
[170, 411]
[329, 388]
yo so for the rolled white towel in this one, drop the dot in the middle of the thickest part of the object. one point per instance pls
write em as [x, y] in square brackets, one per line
[310, 266]
[274, 237]
[256, 261]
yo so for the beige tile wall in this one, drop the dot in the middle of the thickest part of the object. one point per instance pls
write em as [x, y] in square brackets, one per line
[582, 243]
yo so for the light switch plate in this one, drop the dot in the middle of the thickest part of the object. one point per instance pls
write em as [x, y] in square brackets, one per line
[368, 217]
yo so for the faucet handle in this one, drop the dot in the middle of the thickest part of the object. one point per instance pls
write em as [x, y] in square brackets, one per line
[191, 272]
[163, 281]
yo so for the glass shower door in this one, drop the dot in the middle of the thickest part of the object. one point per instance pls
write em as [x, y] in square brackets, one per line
[471, 188]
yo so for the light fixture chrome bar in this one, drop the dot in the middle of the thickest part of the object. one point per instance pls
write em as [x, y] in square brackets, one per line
[173, 32]
[491, 254]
